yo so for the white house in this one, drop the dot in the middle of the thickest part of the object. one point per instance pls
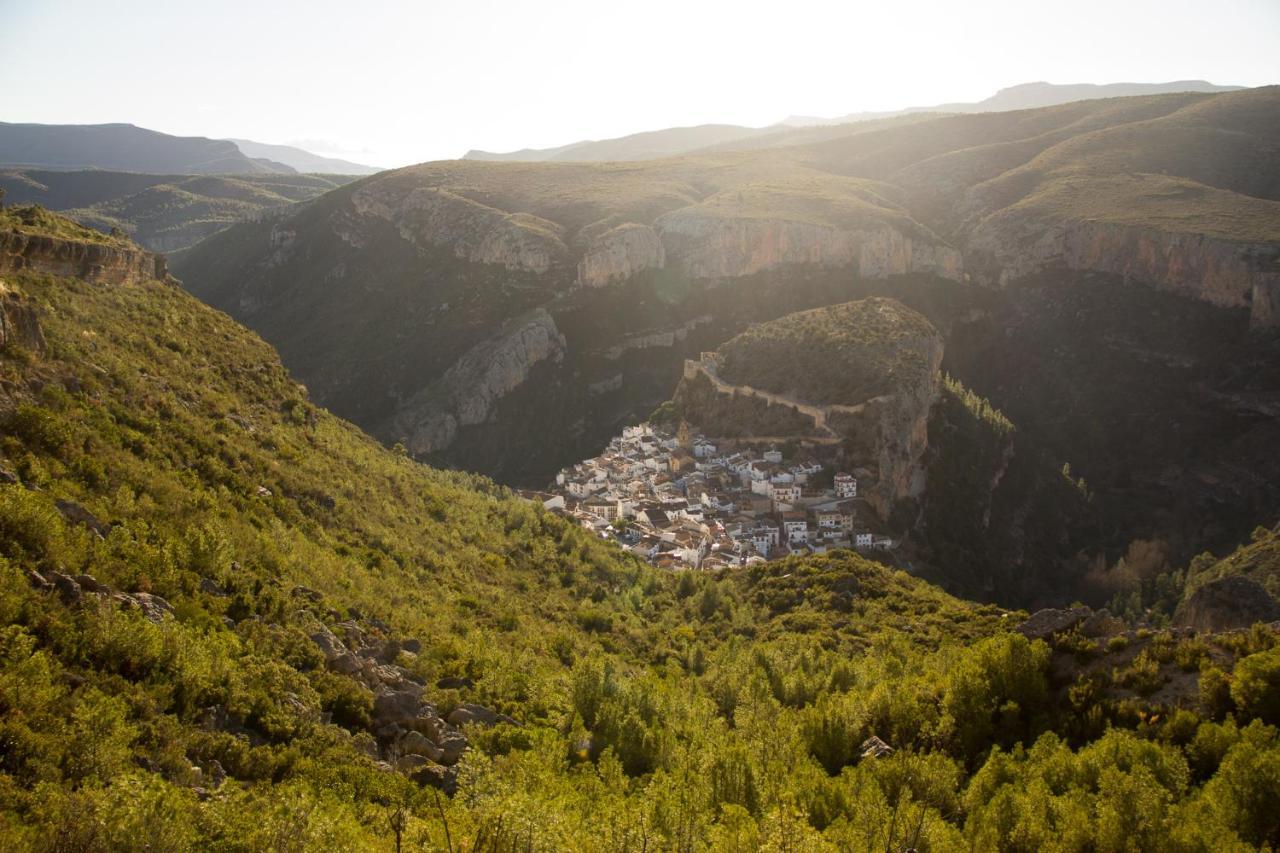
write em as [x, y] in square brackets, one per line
[795, 527]
[846, 486]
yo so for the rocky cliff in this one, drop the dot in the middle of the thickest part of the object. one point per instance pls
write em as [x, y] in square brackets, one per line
[94, 262]
[721, 247]
[1224, 273]
[620, 253]
[475, 232]
[469, 390]
[19, 323]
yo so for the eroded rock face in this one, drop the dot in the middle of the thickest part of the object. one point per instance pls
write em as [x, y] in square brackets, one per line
[1047, 622]
[1225, 604]
[469, 390]
[19, 322]
[724, 247]
[620, 253]
[97, 263]
[1220, 272]
[475, 232]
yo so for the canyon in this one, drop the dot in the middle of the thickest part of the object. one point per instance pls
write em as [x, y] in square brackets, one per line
[511, 317]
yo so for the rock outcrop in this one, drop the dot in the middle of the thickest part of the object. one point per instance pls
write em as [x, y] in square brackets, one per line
[1221, 272]
[99, 263]
[1050, 621]
[620, 253]
[19, 322]
[469, 390]
[474, 231]
[705, 246]
[1225, 604]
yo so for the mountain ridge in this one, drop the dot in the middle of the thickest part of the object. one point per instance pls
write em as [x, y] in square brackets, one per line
[683, 140]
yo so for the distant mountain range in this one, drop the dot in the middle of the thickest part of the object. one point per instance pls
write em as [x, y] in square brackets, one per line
[301, 160]
[127, 148]
[674, 141]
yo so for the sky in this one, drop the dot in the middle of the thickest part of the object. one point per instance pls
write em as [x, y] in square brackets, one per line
[391, 83]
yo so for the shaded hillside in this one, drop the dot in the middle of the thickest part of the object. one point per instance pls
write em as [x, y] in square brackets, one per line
[844, 354]
[164, 213]
[125, 148]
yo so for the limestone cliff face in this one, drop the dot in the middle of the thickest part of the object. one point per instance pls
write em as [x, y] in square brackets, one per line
[99, 263]
[722, 247]
[475, 232]
[895, 429]
[19, 323]
[1221, 272]
[468, 391]
[620, 253]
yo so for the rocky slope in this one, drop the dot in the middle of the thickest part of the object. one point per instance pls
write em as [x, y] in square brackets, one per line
[28, 245]
[469, 390]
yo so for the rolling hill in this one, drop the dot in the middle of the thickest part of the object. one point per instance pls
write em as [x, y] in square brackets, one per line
[164, 213]
[124, 148]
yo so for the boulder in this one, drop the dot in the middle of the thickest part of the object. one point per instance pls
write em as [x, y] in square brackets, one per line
[345, 664]
[153, 607]
[397, 706]
[409, 763]
[38, 580]
[307, 593]
[390, 731]
[1101, 624]
[330, 646]
[469, 713]
[443, 778]
[388, 651]
[1046, 623]
[452, 745]
[873, 747]
[7, 477]
[74, 513]
[210, 587]
[89, 583]
[1226, 604]
[68, 589]
[416, 743]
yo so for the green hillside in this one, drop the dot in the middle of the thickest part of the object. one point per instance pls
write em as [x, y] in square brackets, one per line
[218, 599]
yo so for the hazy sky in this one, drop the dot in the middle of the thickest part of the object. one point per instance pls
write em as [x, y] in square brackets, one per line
[391, 83]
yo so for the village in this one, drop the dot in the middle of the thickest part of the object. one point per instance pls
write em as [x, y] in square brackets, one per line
[684, 502]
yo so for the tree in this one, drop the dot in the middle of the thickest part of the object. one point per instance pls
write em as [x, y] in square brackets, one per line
[1256, 686]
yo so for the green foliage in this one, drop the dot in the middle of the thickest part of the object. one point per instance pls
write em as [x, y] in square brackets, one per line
[1255, 688]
